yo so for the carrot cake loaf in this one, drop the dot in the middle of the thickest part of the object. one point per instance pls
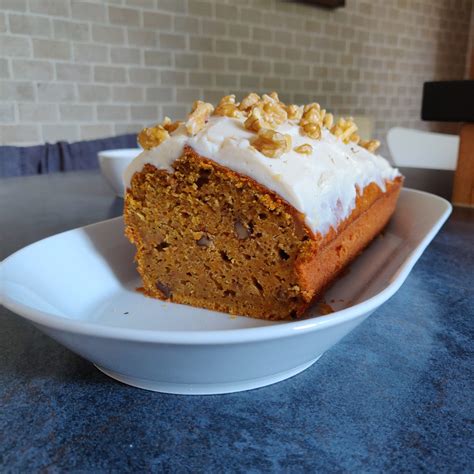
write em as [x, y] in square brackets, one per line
[253, 208]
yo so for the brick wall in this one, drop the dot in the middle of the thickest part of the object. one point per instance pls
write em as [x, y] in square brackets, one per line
[73, 69]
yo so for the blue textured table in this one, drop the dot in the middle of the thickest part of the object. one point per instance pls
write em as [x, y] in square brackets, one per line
[395, 395]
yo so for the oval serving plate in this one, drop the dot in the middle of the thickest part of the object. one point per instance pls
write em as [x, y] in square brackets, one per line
[79, 288]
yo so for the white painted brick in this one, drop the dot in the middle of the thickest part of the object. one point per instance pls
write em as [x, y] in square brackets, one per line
[55, 92]
[141, 37]
[7, 113]
[51, 49]
[143, 75]
[13, 134]
[250, 82]
[226, 46]
[172, 41]
[32, 69]
[76, 113]
[213, 96]
[248, 48]
[38, 112]
[227, 80]
[31, 25]
[187, 95]
[201, 79]
[113, 113]
[173, 78]
[125, 128]
[175, 112]
[214, 63]
[124, 16]
[99, 130]
[158, 20]
[50, 7]
[14, 46]
[73, 72]
[226, 12]
[186, 60]
[60, 132]
[128, 94]
[14, 5]
[71, 30]
[238, 30]
[88, 11]
[19, 91]
[4, 69]
[108, 34]
[125, 55]
[201, 8]
[110, 74]
[201, 43]
[86, 53]
[144, 112]
[146, 4]
[158, 58]
[186, 24]
[160, 94]
[176, 6]
[94, 93]
[213, 27]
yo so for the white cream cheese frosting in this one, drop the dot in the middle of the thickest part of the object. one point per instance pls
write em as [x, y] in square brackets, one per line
[321, 185]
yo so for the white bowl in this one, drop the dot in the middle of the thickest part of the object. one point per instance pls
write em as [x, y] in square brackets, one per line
[113, 164]
[79, 287]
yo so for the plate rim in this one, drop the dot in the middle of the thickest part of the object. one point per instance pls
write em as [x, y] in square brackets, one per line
[230, 336]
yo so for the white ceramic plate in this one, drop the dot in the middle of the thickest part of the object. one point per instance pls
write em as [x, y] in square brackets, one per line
[79, 288]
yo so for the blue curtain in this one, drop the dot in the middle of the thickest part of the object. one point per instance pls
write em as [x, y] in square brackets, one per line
[61, 156]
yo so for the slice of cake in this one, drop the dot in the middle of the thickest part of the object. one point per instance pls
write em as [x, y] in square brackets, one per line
[253, 208]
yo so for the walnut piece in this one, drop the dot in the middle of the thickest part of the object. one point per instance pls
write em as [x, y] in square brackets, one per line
[256, 121]
[151, 137]
[305, 149]
[370, 145]
[295, 112]
[328, 120]
[273, 110]
[312, 120]
[249, 101]
[228, 108]
[345, 129]
[198, 116]
[272, 144]
[170, 126]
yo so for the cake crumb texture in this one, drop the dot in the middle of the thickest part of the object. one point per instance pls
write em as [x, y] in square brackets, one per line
[209, 237]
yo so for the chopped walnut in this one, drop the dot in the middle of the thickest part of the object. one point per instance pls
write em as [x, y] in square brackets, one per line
[228, 108]
[241, 231]
[328, 120]
[272, 144]
[274, 96]
[151, 137]
[370, 145]
[312, 120]
[198, 116]
[249, 101]
[273, 110]
[256, 121]
[294, 112]
[170, 126]
[305, 149]
[345, 129]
